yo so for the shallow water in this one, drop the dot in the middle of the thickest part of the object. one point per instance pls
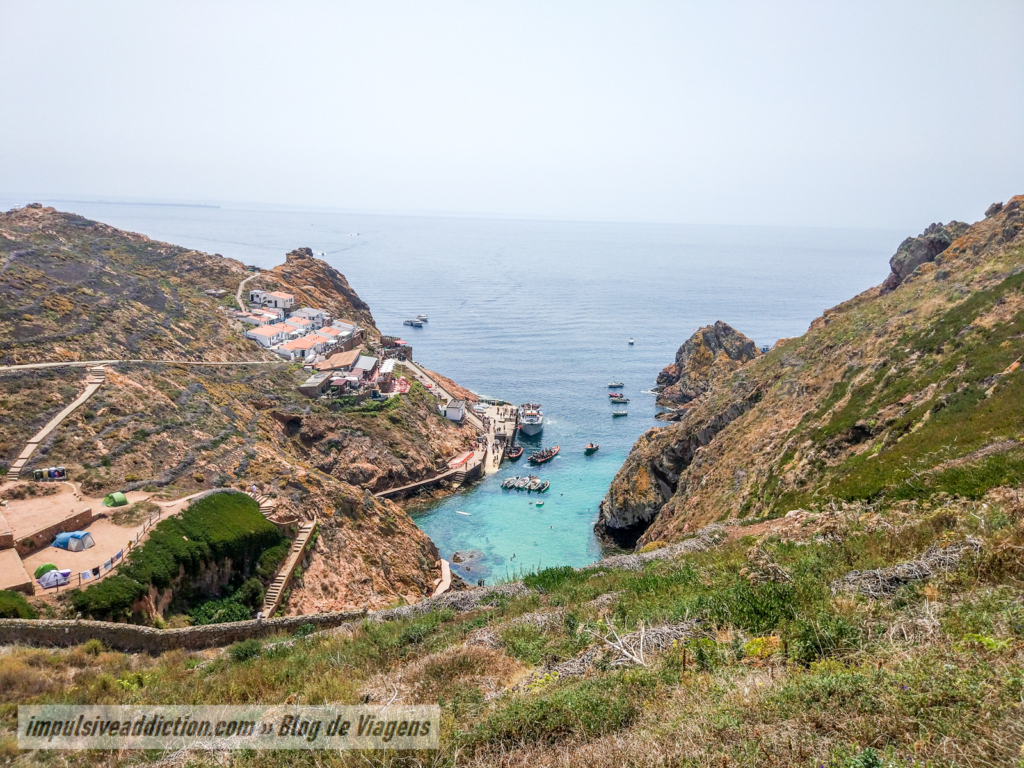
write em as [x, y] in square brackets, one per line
[541, 311]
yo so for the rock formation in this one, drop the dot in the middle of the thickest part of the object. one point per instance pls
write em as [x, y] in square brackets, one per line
[712, 352]
[915, 251]
[891, 394]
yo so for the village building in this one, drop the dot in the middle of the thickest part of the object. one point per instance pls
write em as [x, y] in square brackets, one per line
[365, 368]
[256, 296]
[217, 293]
[301, 323]
[279, 300]
[316, 385]
[268, 335]
[455, 410]
[339, 361]
[301, 348]
[317, 317]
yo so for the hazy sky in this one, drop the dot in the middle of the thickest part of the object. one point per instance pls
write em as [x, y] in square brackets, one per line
[859, 114]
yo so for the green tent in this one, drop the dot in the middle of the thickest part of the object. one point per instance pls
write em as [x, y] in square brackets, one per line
[115, 499]
[45, 569]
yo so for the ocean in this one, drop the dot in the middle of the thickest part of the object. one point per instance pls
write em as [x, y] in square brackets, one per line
[542, 311]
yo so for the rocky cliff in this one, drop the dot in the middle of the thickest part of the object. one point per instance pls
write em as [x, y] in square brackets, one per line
[911, 390]
[75, 289]
[711, 353]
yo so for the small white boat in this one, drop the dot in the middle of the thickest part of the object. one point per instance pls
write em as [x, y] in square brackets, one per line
[614, 384]
[631, 342]
[619, 413]
[422, 318]
[415, 323]
[463, 513]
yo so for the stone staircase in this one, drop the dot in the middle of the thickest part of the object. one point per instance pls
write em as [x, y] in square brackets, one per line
[97, 375]
[272, 599]
[266, 503]
[459, 478]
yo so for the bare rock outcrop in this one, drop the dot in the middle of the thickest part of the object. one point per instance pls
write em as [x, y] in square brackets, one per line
[712, 351]
[915, 251]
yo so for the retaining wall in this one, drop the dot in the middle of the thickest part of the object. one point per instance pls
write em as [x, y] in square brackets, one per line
[44, 537]
[138, 639]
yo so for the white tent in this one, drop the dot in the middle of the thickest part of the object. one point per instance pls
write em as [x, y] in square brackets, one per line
[54, 579]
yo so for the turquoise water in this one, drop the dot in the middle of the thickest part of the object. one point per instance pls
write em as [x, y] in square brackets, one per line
[541, 311]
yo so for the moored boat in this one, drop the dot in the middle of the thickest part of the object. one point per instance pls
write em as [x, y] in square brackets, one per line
[515, 452]
[591, 448]
[619, 413]
[544, 456]
[543, 487]
[619, 399]
[531, 419]
[415, 323]
[614, 384]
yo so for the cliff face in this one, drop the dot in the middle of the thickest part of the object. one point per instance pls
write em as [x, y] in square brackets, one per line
[904, 393]
[711, 353]
[75, 289]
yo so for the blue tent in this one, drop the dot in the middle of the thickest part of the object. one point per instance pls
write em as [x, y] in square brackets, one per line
[74, 542]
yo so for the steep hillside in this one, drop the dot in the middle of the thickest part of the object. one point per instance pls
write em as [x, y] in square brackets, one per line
[911, 390]
[74, 289]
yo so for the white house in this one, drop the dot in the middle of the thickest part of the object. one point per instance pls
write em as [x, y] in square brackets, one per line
[279, 300]
[302, 323]
[305, 348]
[315, 316]
[256, 296]
[268, 335]
[455, 410]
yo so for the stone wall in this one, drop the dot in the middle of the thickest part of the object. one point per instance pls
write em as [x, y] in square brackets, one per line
[138, 639]
[44, 536]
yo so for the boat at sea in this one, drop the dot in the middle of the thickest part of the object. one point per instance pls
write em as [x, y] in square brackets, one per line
[542, 457]
[619, 399]
[515, 452]
[591, 448]
[619, 413]
[414, 322]
[424, 318]
[631, 342]
[614, 384]
[531, 419]
[527, 483]
[540, 503]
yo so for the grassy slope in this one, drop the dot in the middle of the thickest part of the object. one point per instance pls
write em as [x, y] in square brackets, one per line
[781, 673]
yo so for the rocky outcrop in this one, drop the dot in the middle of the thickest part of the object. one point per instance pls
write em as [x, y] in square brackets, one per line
[915, 251]
[713, 351]
[316, 283]
[882, 398]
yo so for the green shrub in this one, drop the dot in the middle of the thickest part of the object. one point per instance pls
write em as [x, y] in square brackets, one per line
[271, 560]
[217, 528]
[550, 578]
[245, 650]
[93, 647]
[251, 593]
[14, 606]
[220, 612]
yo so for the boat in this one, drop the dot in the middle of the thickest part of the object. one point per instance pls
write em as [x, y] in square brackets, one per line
[541, 488]
[619, 400]
[414, 323]
[534, 484]
[614, 384]
[463, 513]
[542, 457]
[515, 452]
[620, 413]
[540, 503]
[424, 318]
[531, 419]
[591, 448]
[631, 342]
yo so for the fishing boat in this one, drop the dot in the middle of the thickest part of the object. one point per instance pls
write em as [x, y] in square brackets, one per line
[591, 448]
[531, 419]
[614, 384]
[414, 322]
[515, 452]
[542, 457]
[619, 413]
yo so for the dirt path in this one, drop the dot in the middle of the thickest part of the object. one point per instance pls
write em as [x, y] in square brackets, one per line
[241, 287]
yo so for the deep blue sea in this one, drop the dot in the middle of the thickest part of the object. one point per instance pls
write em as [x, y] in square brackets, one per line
[542, 311]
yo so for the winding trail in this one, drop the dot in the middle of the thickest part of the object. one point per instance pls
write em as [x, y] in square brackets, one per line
[83, 363]
[241, 285]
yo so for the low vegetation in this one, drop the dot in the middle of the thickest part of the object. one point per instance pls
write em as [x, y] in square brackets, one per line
[222, 530]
